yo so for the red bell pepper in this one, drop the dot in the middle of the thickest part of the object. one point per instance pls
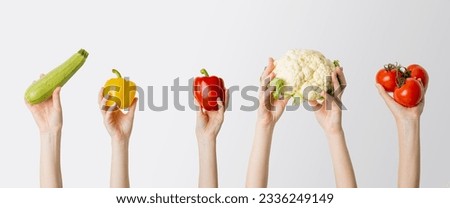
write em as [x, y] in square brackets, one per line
[207, 90]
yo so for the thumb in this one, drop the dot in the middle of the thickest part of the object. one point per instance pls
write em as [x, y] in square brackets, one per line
[56, 97]
[133, 106]
[386, 97]
[221, 105]
[286, 99]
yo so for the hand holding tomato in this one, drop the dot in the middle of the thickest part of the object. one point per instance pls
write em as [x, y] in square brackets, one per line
[407, 84]
[399, 111]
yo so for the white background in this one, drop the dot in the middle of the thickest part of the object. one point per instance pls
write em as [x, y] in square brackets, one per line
[154, 42]
[347, 198]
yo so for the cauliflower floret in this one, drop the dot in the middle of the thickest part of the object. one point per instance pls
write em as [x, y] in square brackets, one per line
[303, 71]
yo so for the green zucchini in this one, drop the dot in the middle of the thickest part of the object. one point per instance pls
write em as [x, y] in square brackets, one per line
[42, 89]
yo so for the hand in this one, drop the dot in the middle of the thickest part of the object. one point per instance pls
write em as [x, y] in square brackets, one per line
[207, 128]
[118, 124]
[269, 110]
[48, 114]
[329, 113]
[48, 117]
[400, 112]
[209, 122]
[408, 129]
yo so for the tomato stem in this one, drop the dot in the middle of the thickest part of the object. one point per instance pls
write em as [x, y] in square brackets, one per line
[117, 73]
[204, 72]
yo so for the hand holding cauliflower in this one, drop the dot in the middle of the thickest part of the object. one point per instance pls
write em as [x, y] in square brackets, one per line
[303, 71]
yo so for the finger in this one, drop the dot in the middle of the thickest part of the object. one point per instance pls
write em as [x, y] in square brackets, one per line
[314, 104]
[285, 100]
[281, 104]
[112, 108]
[100, 95]
[269, 68]
[424, 90]
[226, 98]
[221, 105]
[327, 98]
[27, 103]
[270, 64]
[334, 80]
[132, 108]
[261, 77]
[386, 97]
[338, 87]
[265, 83]
[56, 98]
[102, 105]
[341, 76]
[200, 110]
[108, 113]
[267, 98]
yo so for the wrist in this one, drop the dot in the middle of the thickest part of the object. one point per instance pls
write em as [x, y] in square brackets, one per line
[120, 142]
[408, 130]
[263, 123]
[407, 121]
[206, 140]
[50, 134]
[264, 131]
[334, 132]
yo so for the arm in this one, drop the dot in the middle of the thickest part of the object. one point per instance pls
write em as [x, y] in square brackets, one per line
[48, 117]
[258, 166]
[331, 122]
[342, 164]
[119, 126]
[269, 112]
[207, 128]
[408, 127]
[207, 163]
[119, 164]
[409, 163]
[50, 163]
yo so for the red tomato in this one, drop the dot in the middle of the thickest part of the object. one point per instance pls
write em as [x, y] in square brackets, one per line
[387, 78]
[419, 72]
[410, 94]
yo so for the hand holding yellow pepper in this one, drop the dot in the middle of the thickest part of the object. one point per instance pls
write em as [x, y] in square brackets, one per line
[120, 91]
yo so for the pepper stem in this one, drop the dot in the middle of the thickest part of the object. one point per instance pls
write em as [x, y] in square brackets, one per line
[204, 72]
[117, 73]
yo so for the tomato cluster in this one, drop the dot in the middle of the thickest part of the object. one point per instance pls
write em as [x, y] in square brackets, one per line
[407, 84]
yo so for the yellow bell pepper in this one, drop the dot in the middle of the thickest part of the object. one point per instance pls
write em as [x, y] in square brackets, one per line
[118, 89]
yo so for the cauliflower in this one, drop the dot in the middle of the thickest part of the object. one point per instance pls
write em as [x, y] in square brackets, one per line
[303, 71]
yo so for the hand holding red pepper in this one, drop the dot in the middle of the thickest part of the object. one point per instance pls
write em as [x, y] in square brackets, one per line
[207, 90]
[211, 97]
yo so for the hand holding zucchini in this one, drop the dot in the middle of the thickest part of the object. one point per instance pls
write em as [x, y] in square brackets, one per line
[42, 89]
